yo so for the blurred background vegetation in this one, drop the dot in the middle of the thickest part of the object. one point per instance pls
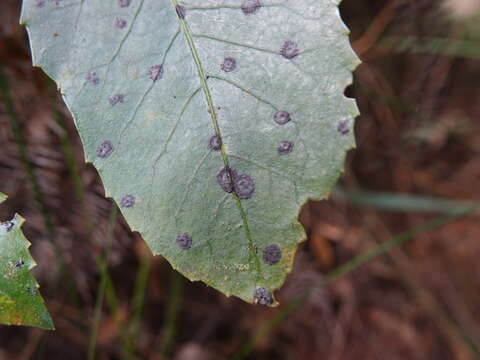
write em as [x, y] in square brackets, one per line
[390, 269]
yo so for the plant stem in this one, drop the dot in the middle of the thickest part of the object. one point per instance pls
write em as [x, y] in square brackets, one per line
[171, 313]
[130, 339]
[104, 280]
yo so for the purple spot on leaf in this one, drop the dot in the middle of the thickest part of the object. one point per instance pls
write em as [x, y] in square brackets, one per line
[120, 23]
[124, 3]
[116, 99]
[215, 143]
[250, 7]
[289, 49]
[128, 201]
[244, 186]
[19, 264]
[156, 72]
[32, 291]
[181, 11]
[184, 241]
[8, 225]
[262, 296]
[272, 254]
[285, 147]
[229, 64]
[93, 78]
[225, 179]
[39, 3]
[105, 149]
[230, 181]
[343, 127]
[281, 117]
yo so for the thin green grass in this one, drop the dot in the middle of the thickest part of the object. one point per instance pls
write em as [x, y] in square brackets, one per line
[102, 287]
[400, 202]
[130, 338]
[462, 48]
[171, 313]
[69, 156]
[24, 157]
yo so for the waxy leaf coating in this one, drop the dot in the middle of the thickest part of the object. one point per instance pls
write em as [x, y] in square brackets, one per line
[211, 122]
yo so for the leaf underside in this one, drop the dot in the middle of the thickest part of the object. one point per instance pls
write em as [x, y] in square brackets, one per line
[20, 300]
[210, 122]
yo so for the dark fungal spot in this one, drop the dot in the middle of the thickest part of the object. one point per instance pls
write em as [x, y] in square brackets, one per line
[229, 64]
[272, 254]
[8, 225]
[250, 7]
[39, 3]
[230, 181]
[215, 143]
[117, 99]
[244, 186]
[120, 23]
[105, 149]
[93, 78]
[343, 127]
[124, 3]
[225, 179]
[285, 148]
[282, 117]
[128, 201]
[289, 50]
[19, 264]
[181, 11]
[31, 290]
[262, 296]
[184, 241]
[156, 72]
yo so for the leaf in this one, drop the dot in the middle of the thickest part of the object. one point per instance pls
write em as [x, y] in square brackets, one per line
[210, 122]
[20, 300]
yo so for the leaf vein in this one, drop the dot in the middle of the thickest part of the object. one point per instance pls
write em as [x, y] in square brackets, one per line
[203, 79]
[248, 46]
[249, 92]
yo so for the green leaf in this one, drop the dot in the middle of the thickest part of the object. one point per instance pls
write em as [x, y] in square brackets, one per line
[156, 86]
[20, 300]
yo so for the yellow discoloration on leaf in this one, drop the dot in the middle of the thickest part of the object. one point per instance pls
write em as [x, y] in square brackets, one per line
[18, 305]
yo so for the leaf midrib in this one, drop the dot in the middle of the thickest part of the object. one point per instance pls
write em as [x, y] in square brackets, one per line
[213, 115]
